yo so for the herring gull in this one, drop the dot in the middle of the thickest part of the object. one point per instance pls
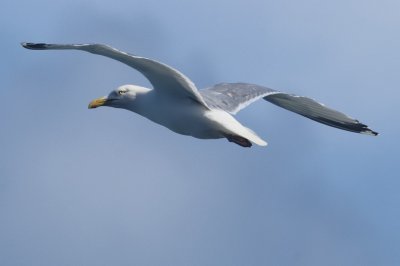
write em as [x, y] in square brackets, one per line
[176, 103]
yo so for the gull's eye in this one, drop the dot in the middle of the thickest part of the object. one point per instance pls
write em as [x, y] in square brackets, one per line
[121, 92]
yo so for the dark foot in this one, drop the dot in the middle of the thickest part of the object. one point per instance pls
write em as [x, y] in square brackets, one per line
[239, 141]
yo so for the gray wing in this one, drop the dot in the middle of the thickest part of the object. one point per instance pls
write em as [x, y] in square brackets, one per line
[164, 78]
[233, 97]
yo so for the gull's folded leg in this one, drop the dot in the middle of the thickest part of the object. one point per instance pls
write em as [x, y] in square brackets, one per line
[239, 140]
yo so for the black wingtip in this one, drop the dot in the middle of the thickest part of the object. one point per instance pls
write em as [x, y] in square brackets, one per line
[371, 132]
[34, 46]
[368, 131]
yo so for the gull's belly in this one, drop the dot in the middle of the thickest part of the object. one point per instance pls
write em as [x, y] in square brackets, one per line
[198, 127]
[186, 119]
[192, 123]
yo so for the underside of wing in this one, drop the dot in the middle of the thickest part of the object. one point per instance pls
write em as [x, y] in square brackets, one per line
[164, 78]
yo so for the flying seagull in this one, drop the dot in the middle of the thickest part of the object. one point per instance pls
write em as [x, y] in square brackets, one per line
[176, 103]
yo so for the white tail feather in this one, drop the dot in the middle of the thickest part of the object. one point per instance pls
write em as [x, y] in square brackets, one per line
[230, 125]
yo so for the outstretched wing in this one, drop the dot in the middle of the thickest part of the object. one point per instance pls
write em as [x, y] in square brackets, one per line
[233, 97]
[164, 78]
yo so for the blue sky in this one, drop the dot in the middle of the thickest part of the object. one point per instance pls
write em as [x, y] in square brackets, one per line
[107, 187]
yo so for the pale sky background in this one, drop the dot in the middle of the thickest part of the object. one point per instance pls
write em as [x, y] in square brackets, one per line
[107, 187]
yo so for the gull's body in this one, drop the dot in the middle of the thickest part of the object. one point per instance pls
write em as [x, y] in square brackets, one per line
[175, 102]
[186, 117]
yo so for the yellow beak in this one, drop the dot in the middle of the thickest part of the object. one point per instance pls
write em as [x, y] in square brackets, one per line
[97, 102]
